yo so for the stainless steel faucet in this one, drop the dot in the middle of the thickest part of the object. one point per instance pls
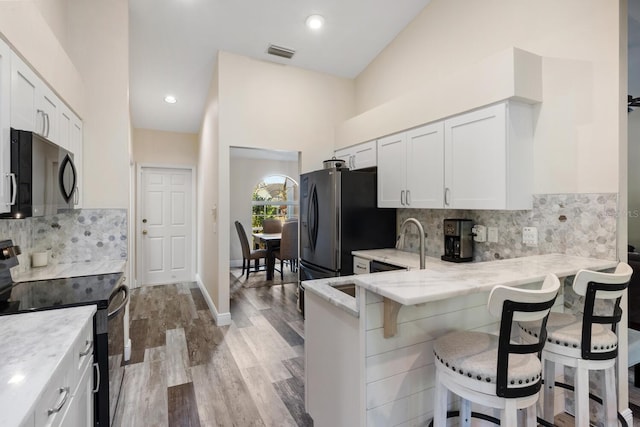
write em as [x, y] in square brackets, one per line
[421, 234]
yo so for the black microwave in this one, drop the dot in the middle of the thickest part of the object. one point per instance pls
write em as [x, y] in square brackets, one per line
[43, 177]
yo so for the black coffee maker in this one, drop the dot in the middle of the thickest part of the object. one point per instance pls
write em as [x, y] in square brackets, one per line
[458, 240]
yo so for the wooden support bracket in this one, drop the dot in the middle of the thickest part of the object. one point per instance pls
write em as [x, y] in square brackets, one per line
[390, 321]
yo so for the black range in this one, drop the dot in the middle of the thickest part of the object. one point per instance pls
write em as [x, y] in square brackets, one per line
[59, 293]
[107, 291]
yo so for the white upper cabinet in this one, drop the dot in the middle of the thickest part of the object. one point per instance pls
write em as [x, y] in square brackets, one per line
[49, 107]
[477, 160]
[5, 127]
[410, 168]
[392, 168]
[24, 104]
[34, 106]
[359, 156]
[425, 169]
[27, 103]
[65, 118]
[488, 158]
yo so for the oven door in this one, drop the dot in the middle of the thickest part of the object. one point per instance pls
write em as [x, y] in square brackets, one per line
[110, 345]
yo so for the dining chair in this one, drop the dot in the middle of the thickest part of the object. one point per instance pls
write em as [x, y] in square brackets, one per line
[272, 225]
[288, 250]
[249, 254]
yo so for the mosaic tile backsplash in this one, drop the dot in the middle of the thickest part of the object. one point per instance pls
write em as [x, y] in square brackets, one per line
[573, 224]
[76, 236]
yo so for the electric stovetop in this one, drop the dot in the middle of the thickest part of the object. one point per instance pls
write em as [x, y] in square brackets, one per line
[59, 293]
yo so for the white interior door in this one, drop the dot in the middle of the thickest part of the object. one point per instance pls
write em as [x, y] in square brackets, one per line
[165, 225]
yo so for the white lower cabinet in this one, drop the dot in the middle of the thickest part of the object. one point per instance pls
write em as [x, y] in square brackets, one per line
[359, 156]
[68, 397]
[360, 265]
[478, 160]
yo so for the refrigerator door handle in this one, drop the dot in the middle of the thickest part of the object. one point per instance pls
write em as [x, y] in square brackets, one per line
[312, 217]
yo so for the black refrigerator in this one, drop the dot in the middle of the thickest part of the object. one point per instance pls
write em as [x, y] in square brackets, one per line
[339, 214]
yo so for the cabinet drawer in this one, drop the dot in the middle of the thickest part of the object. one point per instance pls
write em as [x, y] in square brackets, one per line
[57, 395]
[360, 266]
[83, 350]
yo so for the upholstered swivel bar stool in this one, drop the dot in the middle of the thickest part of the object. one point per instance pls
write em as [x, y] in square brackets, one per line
[587, 342]
[492, 370]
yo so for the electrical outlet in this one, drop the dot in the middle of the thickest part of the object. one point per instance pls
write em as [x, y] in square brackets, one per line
[492, 234]
[530, 236]
[480, 232]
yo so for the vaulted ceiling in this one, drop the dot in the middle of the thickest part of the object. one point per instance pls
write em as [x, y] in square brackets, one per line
[174, 45]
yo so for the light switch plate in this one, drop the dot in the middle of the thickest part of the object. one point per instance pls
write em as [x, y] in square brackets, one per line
[530, 236]
[492, 234]
[480, 232]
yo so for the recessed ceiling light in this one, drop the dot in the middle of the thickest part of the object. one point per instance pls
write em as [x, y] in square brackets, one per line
[170, 99]
[315, 22]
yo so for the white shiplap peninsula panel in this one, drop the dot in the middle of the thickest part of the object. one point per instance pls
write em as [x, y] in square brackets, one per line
[400, 370]
[394, 376]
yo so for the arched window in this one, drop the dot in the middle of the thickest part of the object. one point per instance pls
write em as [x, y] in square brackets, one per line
[276, 196]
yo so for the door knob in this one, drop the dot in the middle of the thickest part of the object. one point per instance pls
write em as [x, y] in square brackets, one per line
[144, 221]
[144, 231]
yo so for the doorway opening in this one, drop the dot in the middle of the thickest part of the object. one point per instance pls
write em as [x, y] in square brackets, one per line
[165, 225]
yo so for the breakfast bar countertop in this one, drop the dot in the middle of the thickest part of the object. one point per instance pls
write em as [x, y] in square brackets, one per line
[442, 280]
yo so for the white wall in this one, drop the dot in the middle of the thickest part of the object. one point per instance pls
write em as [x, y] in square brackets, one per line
[208, 243]
[29, 33]
[261, 105]
[245, 174]
[90, 72]
[166, 148]
[634, 178]
[99, 47]
[577, 126]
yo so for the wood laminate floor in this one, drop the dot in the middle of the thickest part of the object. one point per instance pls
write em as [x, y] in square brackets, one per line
[186, 371]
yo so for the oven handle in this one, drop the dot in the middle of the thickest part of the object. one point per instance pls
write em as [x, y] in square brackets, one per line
[123, 288]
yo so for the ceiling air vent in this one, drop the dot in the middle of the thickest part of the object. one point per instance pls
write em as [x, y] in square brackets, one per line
[280, 51]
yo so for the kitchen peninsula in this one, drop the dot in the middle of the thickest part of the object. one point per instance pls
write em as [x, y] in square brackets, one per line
[369, 358]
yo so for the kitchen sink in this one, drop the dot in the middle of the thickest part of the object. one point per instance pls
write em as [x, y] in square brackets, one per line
[347, 288]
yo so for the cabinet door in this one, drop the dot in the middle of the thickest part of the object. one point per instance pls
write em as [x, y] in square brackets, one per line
[392, 155]
[64, 128]
[345, 154]
[475, 159]
[76, 142]
[48, 105]
[5, 127]
[365, 155]
[80, 409]
[425, 166]
[24, 84]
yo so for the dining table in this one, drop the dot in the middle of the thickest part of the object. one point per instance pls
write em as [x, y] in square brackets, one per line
[272, 242]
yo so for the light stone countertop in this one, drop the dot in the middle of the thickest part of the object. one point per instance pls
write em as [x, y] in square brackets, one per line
[75, 269]
[33, 345]
[442, 280]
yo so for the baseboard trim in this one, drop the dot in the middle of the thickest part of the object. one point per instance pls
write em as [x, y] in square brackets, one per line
[221, 319]
[628, 416]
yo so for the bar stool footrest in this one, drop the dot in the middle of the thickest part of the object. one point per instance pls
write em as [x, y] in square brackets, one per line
[478, 415]
[592, 396]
